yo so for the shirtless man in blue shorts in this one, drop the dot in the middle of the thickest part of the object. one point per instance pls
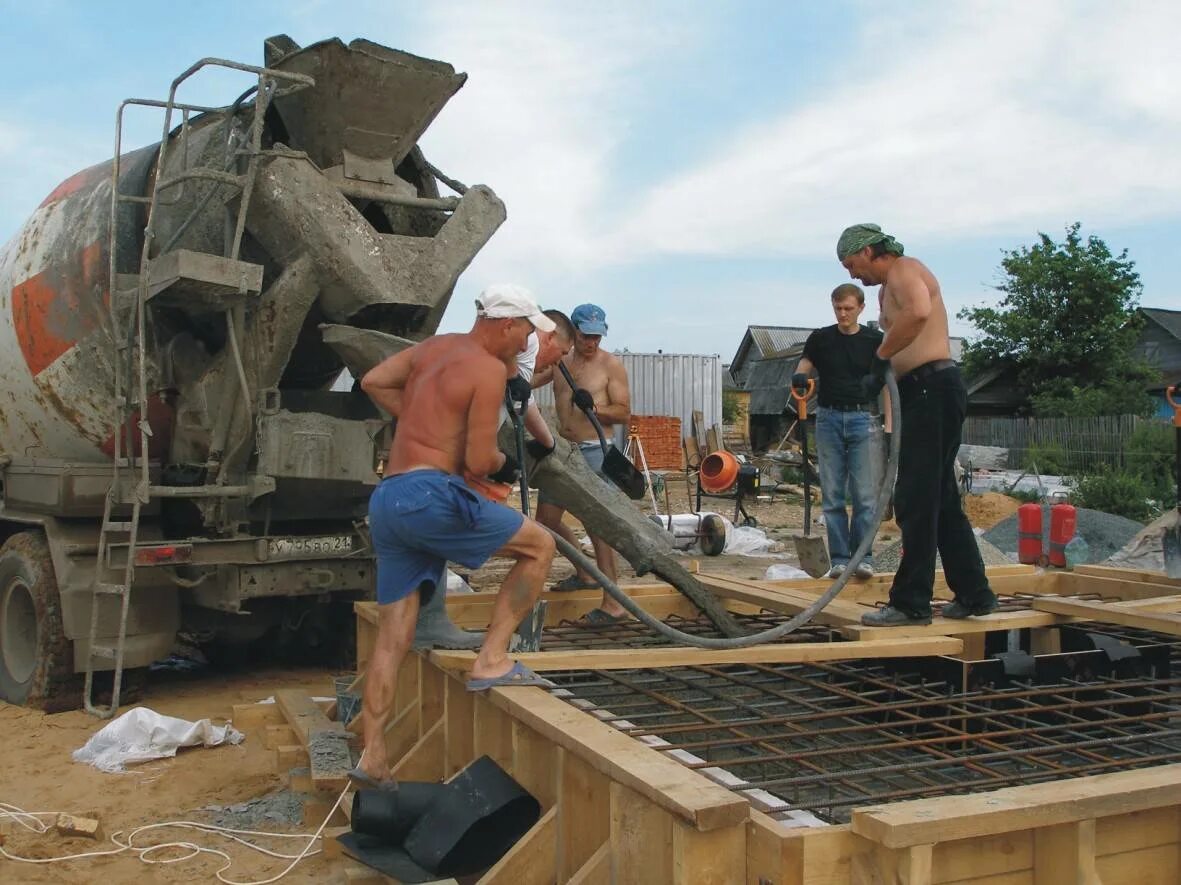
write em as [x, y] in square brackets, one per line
[446, 395]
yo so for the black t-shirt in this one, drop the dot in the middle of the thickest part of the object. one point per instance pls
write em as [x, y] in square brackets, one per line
[841, 361]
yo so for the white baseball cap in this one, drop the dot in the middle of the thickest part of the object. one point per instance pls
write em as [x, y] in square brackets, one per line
[507, 300]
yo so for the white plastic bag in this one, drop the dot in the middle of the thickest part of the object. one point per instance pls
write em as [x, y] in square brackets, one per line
[781, 571]
[141, 735]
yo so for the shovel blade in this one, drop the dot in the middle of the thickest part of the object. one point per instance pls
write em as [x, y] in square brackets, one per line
[1171, 542]
[813, 555]
[624, 474]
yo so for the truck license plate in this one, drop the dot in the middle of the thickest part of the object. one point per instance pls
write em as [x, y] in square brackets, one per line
[291, 548]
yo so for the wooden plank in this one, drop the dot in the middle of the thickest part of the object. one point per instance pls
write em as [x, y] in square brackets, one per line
[1143, 829]
[903, 824]
[685, 793]
[1158, 622]
[326, 741]
[535, 763]
[597, 869]
[1005, 620]
[584, 813]
[1157, 604]
[292, 756]
[1148, 866]
[972, 859]
[431, 694]
[884, 866]
[1073, 584]
[401, 733]
[717, 857]
[256, 717]
[457, 731]
[1127, 574]
[533, 860]
[493, 732]
[641, 839]
[279, 736]
[1064, 854]
[796, 652]
[425, 760]
[774, 853]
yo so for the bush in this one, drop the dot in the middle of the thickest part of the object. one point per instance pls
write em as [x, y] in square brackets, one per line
[1047, 458]
[1114, 491]
[1150, 453]
[1025, 496]
[729, 407]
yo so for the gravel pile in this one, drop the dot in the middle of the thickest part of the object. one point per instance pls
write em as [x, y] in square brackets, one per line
[280, 807]
[887, 560]
[1104, 533]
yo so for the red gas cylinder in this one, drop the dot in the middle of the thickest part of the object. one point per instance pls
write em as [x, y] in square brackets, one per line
[1029, 533]
[1063, 521]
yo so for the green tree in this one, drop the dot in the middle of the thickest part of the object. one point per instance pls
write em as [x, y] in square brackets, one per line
[1068, 322]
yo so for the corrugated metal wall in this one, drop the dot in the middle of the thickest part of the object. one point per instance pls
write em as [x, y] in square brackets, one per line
[670, 384]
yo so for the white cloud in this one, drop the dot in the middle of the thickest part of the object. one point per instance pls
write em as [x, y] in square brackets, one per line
[963, 120]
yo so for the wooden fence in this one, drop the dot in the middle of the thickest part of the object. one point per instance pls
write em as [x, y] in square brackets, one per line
[1085, 442]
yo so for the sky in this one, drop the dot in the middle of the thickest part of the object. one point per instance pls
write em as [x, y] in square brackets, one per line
[688, 166]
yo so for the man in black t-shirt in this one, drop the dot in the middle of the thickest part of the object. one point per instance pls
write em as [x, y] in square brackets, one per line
[848, 432]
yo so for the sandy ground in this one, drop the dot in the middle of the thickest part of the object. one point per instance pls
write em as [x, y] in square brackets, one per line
[38, 773]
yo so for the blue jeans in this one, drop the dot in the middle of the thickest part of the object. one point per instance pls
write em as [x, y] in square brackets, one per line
[849, 447]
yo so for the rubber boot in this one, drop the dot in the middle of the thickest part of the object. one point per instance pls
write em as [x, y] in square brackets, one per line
[436, 630]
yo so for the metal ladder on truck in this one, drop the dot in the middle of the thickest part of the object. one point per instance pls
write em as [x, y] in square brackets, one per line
[130, 469]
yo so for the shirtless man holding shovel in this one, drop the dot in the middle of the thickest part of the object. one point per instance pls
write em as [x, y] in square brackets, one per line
[601, 383]
[446, 394]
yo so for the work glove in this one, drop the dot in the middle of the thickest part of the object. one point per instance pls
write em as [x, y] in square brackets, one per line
[874, 380]
[509, 472]
[799, 381]
[519, 391]
[538, 450]
[583, 399]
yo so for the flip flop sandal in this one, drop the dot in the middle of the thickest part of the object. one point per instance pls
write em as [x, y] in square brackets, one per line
[596, 617]
[573, 583]
[518, 675]
[364, 781]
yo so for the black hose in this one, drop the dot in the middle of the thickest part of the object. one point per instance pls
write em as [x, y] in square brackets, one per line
[800, 618]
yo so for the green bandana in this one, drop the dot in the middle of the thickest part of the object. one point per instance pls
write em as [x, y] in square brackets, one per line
[854, 239]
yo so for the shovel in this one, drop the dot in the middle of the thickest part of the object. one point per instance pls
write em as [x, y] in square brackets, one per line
[1171, 539]
[812, 553]
[616, 466]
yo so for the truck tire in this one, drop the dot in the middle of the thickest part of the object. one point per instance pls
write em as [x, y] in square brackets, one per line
[36, 659]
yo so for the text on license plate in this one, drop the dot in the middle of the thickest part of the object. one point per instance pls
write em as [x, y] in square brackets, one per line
[310, 546]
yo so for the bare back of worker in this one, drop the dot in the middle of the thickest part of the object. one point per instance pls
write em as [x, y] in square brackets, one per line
[911, 295]
[453, 391]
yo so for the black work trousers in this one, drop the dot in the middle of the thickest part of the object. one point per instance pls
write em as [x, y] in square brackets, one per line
[927, 499]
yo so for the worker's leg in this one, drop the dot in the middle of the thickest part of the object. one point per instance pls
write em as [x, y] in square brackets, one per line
[533, 549]
[861, 443]
[834, 474]
[550, 516]
[395, 633]
[605, 560]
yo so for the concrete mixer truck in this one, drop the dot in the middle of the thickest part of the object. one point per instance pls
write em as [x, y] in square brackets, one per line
[172, 321]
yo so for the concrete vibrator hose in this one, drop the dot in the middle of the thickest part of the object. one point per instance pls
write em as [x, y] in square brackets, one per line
[800, 618]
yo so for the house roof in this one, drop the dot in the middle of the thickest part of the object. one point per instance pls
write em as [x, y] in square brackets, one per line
[763, 342]
[1169, 320]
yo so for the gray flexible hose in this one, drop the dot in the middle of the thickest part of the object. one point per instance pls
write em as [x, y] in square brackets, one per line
[800, 618]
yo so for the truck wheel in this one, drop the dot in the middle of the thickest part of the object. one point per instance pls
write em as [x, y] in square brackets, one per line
[36, 659]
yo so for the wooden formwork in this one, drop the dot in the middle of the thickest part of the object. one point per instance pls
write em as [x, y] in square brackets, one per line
[617, 810]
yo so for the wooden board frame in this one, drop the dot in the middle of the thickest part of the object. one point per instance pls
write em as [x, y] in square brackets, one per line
[616, 810]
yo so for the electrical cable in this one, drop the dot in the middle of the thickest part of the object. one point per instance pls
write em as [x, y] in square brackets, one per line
[800, 618]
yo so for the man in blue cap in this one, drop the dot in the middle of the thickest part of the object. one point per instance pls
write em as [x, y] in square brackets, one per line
[601, 389]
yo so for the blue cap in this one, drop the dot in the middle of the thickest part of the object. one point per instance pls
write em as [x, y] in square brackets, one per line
[589, 319]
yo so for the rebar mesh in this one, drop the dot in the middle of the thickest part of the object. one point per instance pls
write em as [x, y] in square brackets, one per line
[822, 739]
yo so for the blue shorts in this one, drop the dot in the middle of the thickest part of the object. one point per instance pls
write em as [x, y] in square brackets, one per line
[421, 519]
[592, 453]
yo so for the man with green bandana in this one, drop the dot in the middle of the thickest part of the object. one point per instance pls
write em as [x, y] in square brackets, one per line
[933, 403]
